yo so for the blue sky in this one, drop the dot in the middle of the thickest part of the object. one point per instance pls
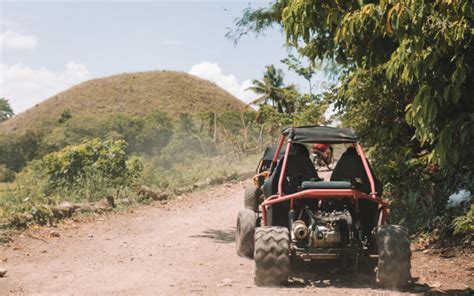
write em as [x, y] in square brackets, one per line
[48, 47]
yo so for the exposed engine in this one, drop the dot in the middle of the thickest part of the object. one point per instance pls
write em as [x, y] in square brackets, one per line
[322, 228]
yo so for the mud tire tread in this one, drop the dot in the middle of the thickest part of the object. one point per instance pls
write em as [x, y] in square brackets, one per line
[394, 262]
[272, 255]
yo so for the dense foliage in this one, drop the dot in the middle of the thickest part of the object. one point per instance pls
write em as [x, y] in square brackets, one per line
[102, 160]
[406, 85]
[87, 172]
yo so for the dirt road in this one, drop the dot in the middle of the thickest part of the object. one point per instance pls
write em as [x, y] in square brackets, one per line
[183, 247]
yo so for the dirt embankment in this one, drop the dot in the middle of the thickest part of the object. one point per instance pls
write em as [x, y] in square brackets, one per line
[184, 247]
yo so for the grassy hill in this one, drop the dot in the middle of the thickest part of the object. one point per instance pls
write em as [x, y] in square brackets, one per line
[133, 94]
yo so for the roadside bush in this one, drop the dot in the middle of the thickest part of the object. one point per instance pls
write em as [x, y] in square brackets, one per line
[464, 225]
[19, 199]
[91, 166]
[87, 172]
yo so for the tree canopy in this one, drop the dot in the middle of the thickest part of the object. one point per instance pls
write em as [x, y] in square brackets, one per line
[405, 83]
[425, 46]
[5, 110]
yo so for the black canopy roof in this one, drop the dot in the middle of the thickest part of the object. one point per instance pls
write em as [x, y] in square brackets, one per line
[321, 134]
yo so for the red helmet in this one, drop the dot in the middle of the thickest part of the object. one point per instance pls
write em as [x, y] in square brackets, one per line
[320, 147]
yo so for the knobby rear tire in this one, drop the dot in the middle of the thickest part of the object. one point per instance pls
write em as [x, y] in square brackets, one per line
[394, 262]
[272, 255]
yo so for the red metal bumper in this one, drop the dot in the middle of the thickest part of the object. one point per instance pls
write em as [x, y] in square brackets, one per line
[353, 194]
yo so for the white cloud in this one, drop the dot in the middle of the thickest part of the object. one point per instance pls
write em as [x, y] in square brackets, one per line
[172, 42]
[15, 40]
[24, 86]
[212, 72]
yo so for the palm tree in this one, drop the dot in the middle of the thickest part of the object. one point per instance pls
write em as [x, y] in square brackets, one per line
[271, 88]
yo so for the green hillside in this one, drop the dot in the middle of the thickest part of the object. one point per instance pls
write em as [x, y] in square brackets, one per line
[134, 94]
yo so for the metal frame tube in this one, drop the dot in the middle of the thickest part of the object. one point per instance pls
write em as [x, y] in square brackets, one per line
[277, 152]
[322, 193]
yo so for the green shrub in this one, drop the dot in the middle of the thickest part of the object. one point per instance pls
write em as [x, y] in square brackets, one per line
[95, 163]
[464, 225]
[80, 173]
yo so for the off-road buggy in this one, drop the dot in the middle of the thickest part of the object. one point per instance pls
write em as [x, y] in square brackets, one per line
[292, 214]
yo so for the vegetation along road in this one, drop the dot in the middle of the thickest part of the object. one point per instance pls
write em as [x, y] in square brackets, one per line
[185, 246]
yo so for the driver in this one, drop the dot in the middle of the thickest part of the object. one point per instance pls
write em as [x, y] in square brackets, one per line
[323, 149]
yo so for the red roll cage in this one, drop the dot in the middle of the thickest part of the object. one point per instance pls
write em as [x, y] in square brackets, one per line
[353, 194]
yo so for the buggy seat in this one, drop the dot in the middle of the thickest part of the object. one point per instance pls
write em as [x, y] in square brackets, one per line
[350, 169]
[299, 168]
[349, 173]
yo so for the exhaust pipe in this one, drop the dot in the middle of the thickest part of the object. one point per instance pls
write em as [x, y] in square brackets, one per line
[299, 229]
